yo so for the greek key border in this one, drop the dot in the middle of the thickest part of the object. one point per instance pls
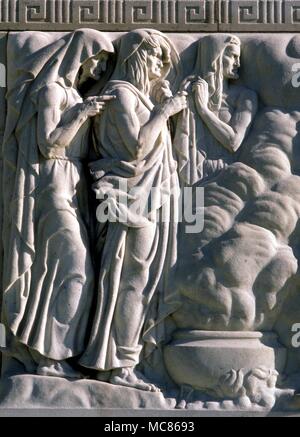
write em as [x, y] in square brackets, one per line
[165, 15]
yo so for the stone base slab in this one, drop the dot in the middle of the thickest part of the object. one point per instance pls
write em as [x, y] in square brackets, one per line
[39, 392]
[38, 396]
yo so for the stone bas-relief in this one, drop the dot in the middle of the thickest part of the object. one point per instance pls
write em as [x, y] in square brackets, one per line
[104, 289]
[48, 310]
[219, 114]
[135, 146]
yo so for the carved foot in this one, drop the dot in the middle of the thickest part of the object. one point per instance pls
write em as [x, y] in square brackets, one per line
[60, 369]
[129, 377]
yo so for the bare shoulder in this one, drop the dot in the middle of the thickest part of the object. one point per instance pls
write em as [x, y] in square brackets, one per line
[51, 94]
[243, 98]
[125, 97]
[245, 94]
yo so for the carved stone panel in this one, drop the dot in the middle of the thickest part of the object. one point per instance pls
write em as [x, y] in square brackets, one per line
[150, 205]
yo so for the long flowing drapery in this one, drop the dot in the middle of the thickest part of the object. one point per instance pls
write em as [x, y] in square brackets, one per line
[140, 252]
[47, 263]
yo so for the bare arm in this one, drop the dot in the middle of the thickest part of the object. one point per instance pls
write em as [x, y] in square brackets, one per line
[139, 139]
[161, 113]
[243, 117]
[231, 135]
[56, 129]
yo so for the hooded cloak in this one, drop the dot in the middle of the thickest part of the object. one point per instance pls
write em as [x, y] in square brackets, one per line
[36, 273]
[199, 154]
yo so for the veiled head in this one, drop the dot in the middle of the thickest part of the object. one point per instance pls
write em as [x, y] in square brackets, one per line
[218, 58]
[144, 56]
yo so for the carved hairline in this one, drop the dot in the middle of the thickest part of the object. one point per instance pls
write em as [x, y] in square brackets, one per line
[148, 40]
[233, 40]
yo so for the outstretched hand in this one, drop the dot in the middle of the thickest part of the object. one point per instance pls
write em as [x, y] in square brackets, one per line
[95, 105]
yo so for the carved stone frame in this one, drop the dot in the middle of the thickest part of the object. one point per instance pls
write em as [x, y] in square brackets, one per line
[165, 15]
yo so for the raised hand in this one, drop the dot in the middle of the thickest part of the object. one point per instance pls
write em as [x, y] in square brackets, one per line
[176, 104]
[200, 88]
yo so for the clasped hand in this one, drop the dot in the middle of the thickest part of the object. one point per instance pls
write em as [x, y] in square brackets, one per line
[199, 87]
[201, 91]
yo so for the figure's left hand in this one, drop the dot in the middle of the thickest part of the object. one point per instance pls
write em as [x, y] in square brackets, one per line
[200, 88]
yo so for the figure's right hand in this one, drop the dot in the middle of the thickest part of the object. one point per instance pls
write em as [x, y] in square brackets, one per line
[200, 88]
[177, 103]
[93, 106]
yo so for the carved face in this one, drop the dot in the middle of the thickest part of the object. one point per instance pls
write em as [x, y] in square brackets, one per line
[95, 66]
[155, 63]
[231, 61]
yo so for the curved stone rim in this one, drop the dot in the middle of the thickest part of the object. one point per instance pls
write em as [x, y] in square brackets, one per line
[202, 335]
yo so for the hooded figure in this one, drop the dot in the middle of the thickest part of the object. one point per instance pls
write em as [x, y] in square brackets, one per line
[209, 65]
[202, 151]
[48, 280]
[135, 294]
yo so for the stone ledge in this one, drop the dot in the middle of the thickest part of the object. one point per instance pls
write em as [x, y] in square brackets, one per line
[38, 396]
[50, 393]
[130, 413]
